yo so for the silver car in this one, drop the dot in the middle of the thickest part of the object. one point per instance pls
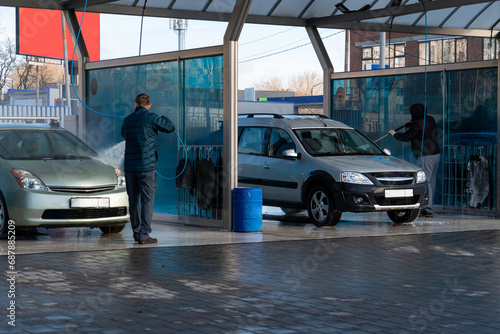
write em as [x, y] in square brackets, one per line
[315, 163]
[50, 178]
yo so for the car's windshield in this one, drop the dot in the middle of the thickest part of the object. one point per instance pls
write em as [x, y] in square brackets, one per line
[38, 144]
[328, 141]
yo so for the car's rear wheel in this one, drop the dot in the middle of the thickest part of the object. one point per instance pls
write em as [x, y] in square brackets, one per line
[112, 228]
[321, 207]
[291, 211]
[403, 216]
[4, 217]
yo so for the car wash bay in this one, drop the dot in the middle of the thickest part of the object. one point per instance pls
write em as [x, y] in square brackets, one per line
[195, 86]
[434, 276]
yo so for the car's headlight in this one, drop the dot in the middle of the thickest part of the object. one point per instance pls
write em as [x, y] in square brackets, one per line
[28, 180]
[357, 178]
[421, 176]
[120, 179]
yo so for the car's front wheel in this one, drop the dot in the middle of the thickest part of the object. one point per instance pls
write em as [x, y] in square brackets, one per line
[4, 218]
[403, 216]
[321, 207]
[112, 229]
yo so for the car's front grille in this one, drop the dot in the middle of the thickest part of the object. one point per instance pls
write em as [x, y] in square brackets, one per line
[383, 201]
[84, 213]
[394, 178]
[83, 190]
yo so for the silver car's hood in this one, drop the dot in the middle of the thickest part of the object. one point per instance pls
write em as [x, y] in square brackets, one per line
[69, 173]
[367, 164]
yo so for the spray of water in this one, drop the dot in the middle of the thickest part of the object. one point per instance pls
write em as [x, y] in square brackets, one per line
[114, 155]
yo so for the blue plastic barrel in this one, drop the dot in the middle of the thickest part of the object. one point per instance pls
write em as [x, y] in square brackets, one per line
[247, 209]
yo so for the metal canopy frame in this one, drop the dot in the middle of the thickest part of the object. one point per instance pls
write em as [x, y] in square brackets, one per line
[482, 22]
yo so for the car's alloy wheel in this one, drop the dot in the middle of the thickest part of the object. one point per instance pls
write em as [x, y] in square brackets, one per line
[321, 207]
[4, 219]
[403, 216]
[112, 228]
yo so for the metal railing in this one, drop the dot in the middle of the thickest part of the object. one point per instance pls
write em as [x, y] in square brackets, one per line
[200, 185]
[39, 112]
[456, 176]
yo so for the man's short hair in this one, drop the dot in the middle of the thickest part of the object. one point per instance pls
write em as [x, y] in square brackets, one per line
[143, 100]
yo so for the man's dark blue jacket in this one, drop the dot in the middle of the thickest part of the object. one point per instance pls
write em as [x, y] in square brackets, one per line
[140, 130]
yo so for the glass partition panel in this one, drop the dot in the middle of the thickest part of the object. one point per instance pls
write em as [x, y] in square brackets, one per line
[188, 92]
[463, 102]
[376, 105]
[202, 102]
[472, 104]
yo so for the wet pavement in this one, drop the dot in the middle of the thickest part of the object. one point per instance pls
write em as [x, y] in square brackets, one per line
[365, 275]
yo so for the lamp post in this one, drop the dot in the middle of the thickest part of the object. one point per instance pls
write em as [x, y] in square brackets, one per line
[66, 70]
[312, 88]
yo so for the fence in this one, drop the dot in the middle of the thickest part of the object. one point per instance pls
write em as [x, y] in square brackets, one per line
[469, 177]
[200, 185]
[32, 111]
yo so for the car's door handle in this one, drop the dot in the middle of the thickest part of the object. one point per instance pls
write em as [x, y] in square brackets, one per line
[266, 166]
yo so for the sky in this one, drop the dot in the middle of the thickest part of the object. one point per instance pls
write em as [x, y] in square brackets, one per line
[264, 52]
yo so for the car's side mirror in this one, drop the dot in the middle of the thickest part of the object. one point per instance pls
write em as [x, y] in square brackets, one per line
[290, 153]
[386, 151]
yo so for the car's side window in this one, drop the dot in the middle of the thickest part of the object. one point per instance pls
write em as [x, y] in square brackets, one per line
[252, 140]
[279, 141]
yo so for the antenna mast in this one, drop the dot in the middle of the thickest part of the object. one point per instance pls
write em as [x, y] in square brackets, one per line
[180, 27]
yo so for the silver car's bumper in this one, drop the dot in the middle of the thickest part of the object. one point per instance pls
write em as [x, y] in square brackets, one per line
[51, 209]
[396, 207]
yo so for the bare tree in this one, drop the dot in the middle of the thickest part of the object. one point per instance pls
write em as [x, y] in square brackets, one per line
[305, 83]
[7, 62]
[24, 76]
[272, 84]
[50, 74]
[302, 84]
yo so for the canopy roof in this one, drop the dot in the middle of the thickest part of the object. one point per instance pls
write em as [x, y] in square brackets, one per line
[445, 17]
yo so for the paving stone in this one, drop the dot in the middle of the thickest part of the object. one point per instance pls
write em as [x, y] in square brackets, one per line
[426, 283]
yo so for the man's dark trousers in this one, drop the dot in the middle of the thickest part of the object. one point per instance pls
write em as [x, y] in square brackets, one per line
[141, 187]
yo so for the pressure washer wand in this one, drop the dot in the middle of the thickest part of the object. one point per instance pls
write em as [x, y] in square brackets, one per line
[402, 126]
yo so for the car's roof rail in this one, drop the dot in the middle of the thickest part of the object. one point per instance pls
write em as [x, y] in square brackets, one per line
[252, 115]
[305, 115]
[319, 115]
[281, 116]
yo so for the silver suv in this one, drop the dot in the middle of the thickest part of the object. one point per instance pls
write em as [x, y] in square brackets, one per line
[315, 163]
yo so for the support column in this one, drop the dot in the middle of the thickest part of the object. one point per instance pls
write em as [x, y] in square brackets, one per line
[382, 50]
[497, 162]
[327, 67]
[66, 65]
[83, 58]
[230, 105]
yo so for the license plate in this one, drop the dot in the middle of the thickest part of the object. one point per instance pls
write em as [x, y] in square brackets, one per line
[393, 193]
[93, 202]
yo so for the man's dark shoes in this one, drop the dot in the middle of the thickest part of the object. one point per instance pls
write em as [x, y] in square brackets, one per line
[148, 241]
[426, 213]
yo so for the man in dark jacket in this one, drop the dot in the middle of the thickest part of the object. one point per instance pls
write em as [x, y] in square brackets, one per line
[140, 130]
[428, 147]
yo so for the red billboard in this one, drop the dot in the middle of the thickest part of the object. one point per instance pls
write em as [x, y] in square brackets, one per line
[39, 33]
